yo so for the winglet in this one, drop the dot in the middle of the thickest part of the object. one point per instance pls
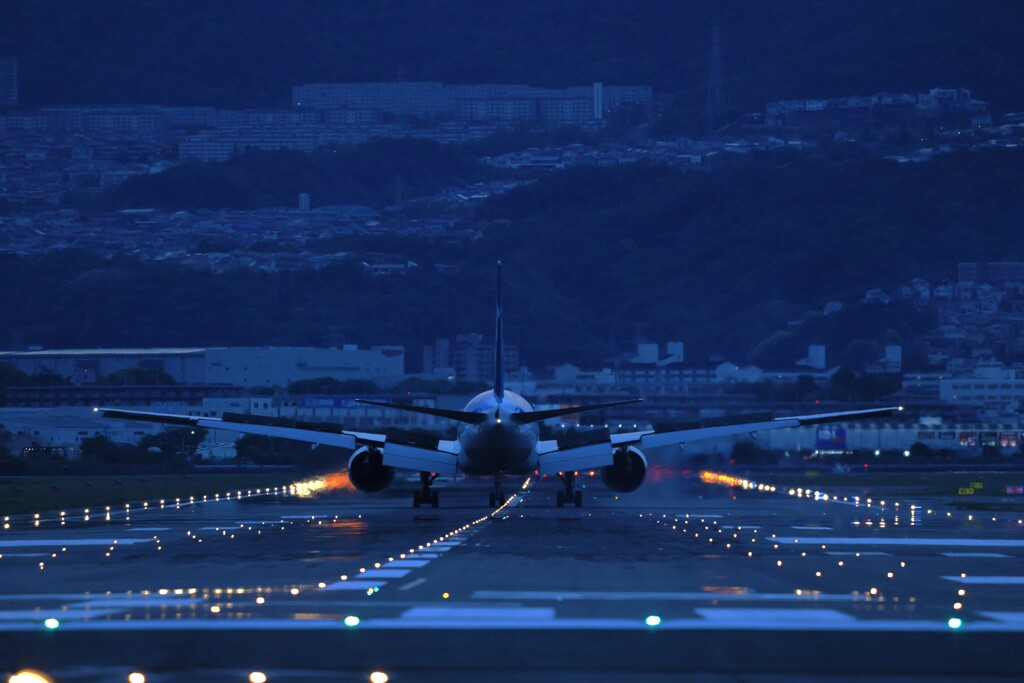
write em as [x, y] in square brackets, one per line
[499, 374]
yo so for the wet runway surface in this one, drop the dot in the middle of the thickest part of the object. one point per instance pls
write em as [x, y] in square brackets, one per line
[723, 583]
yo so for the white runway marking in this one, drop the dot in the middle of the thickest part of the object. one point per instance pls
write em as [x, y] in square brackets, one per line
[426, 556]
[813, 528]
[478, 614]
[853, 553]
[975, 555]
[384, 573]
[139, 601]
[408, 563]
[353, 585]
[37, 543]
[38, 615]
[147, 528]
[747, 616]
[1016, 618]
[694, 596]
[1008, 624]
[875, 540]
[412, 584]
[988, 580]
[27, 554]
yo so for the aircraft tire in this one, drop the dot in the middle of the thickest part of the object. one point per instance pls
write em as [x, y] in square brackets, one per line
[434, 499]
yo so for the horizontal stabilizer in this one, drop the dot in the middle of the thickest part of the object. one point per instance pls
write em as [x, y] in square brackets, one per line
[457, 415]
[541, 415]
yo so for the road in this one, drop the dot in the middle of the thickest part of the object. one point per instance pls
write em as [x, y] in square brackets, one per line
[722, 582]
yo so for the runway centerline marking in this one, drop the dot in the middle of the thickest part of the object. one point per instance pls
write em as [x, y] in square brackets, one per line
[353, 585]
[407, 563]
[412, 584]
[1001, 555]
[384, 573]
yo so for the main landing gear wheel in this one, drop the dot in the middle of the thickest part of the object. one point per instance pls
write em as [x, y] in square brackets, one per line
[426, 495]
[568, 494]
[497, 497]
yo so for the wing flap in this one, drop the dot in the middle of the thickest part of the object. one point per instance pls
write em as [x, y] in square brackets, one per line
[582, 458]
[422, 459]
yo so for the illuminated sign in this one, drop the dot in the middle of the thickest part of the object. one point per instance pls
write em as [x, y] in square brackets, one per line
[831, 439]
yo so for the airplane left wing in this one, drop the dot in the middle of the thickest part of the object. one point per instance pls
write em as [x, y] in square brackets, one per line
[324, 433]
[559, 457]
[423, 456]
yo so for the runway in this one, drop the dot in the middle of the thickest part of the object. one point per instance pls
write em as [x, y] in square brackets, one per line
[725, 583]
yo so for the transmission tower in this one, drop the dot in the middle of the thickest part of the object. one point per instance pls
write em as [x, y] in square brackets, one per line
[714, 102]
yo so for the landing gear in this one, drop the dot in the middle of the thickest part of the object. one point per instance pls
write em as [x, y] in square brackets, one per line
[425, 495]
[497, 497]
[569, 493]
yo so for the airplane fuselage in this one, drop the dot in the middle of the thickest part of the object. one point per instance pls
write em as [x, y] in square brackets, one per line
[498, 445]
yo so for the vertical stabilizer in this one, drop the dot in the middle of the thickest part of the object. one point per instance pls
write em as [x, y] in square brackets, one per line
[499, 373]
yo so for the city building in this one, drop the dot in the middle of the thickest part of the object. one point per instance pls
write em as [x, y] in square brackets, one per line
[468, 359]
[434, 101]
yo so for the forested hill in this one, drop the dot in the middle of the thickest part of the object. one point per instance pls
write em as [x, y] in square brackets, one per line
[243, 53]
[724, 260]
[721, 261]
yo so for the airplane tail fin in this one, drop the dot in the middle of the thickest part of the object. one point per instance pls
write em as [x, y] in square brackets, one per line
[499, 373]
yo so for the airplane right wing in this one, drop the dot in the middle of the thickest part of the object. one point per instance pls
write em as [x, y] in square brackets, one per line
[740, 424]
[597, 448]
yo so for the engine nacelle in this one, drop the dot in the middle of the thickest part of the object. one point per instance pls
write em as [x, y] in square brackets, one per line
[367, 471]
[627, 472]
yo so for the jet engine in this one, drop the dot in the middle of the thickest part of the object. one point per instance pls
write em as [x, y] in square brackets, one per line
[627, 471]
[367, 471]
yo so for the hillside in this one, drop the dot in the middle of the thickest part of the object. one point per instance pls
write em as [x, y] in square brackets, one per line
[722, 261]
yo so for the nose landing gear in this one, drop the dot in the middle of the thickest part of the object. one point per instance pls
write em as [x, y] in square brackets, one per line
[569, 494]
[426, 495]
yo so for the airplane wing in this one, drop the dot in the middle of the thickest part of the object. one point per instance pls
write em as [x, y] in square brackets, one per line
[584, 456]
[423, 455]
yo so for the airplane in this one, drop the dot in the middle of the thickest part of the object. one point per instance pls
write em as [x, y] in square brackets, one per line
[498, 434]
